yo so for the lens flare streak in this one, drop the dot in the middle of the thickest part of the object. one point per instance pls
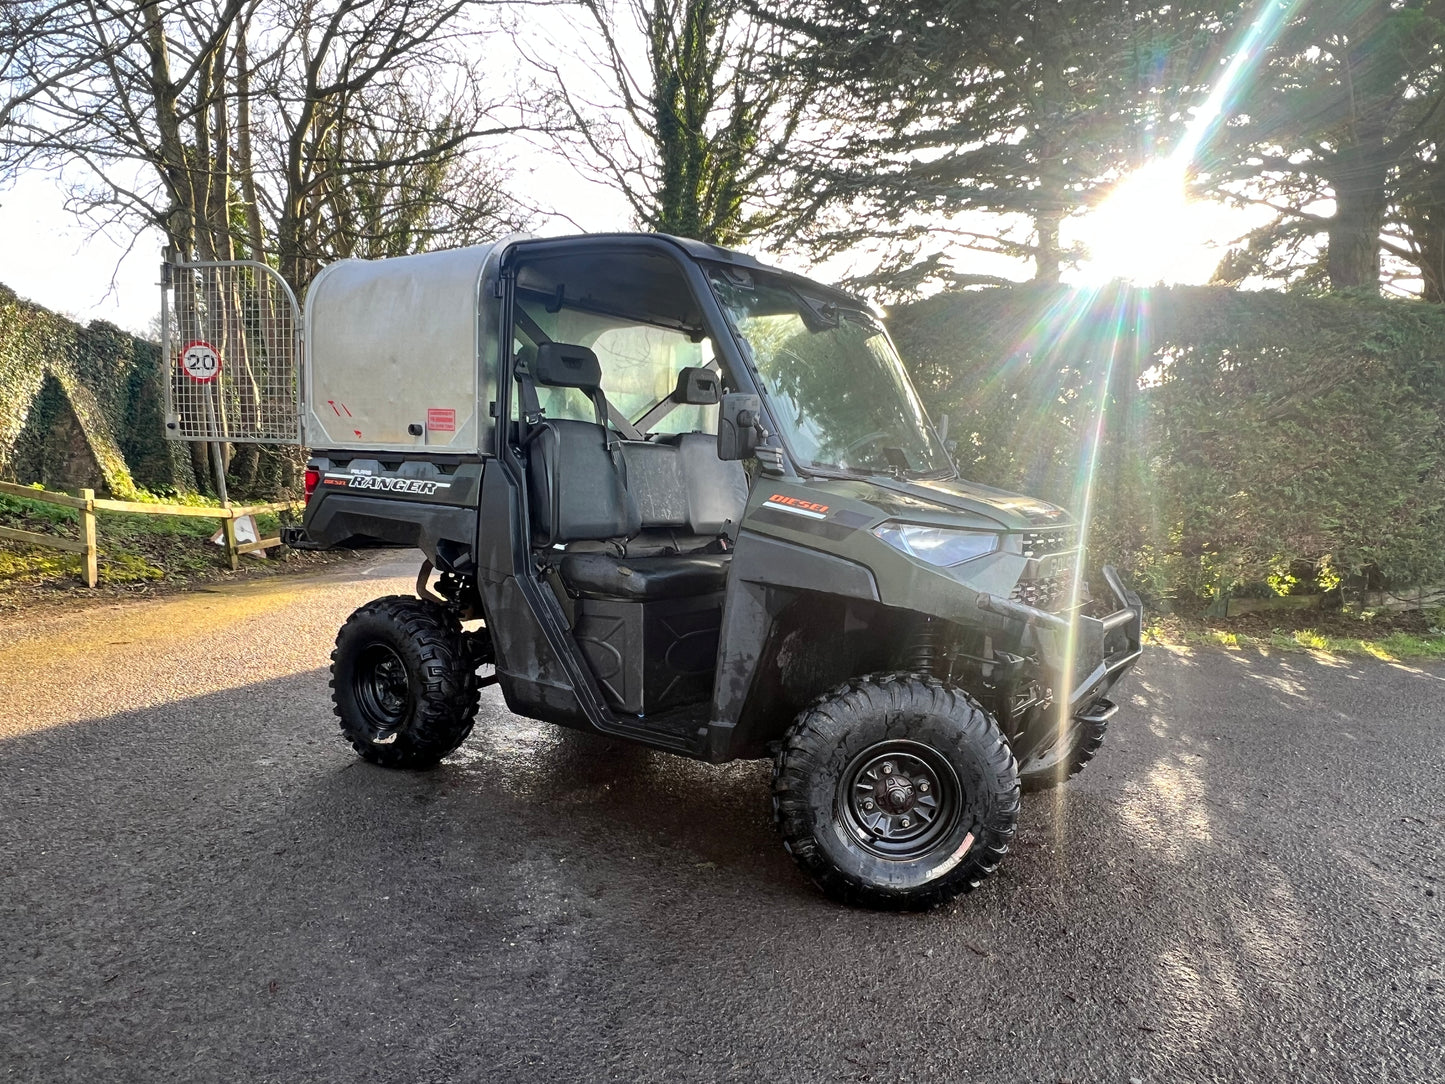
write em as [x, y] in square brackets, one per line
[1069, 316]
[1148, 229]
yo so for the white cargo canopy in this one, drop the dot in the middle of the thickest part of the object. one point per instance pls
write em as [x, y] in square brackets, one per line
[396, 351]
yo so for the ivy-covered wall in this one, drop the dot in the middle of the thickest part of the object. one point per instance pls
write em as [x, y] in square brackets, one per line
[1247, 438]
[82, 406]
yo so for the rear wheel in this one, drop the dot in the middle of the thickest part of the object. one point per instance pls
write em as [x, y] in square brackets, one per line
[896, 791]
[404, 682]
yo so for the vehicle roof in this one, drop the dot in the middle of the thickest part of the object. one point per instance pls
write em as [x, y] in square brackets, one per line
[700, 251]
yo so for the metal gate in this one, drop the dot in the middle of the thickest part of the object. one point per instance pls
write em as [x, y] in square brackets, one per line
[231, 345]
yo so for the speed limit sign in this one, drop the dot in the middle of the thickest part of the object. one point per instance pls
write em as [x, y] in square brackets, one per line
[200, 361]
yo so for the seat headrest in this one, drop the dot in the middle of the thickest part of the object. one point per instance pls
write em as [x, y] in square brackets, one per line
[698, 386]
[563, 365]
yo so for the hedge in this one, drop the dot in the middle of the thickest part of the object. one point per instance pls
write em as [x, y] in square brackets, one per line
[51, 369]
[1245, 435]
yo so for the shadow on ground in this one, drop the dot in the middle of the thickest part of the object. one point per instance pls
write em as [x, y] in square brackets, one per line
[1244, 886]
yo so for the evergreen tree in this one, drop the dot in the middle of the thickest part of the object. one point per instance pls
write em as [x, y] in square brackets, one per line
[983, 124]
[1333, 122]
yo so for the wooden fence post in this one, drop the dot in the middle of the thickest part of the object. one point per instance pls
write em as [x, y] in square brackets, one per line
[228, 531]
[89, 506]
[87, 536]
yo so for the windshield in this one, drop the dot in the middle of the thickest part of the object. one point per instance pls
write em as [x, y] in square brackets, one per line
[836, 385]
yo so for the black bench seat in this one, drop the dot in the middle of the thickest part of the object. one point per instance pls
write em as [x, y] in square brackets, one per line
[641, 579]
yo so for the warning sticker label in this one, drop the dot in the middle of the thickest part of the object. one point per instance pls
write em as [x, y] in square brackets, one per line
[441, 420]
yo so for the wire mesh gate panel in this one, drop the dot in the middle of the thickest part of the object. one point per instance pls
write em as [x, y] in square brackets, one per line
[231, 343]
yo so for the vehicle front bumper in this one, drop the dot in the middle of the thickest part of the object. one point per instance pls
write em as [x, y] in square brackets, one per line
[1095, 651]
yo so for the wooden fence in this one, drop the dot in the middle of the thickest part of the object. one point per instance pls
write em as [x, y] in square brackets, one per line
[89, 505]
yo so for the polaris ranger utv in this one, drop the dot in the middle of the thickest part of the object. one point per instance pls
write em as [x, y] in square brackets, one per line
[674, 496]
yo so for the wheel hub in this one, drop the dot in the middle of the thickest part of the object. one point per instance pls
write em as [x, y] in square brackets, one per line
[382, 690]
[897, 793]
[899, 798]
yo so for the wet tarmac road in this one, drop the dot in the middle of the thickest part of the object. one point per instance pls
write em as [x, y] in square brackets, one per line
[201, 883]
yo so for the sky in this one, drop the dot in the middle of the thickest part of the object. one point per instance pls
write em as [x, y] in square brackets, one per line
[46, 255]
[1149, 234]
[51, 258]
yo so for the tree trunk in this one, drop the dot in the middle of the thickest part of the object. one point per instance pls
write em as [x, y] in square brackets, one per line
[1359, 179]
[1432, 265]
[1048, 200]
[1361, 166]
[245, 160]
[1424, 220]
[171, 157]
[1046, 246]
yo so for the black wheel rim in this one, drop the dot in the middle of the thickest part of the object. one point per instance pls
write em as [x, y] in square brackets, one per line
[899, 799]
[382, 688]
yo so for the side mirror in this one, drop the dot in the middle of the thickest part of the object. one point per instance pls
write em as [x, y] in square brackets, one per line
[739, 431]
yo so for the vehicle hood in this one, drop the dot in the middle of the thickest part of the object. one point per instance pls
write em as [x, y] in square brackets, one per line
[948, 501]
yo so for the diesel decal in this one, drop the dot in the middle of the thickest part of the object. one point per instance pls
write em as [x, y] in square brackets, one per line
[800, 519]
[424, 487]
[798, 505]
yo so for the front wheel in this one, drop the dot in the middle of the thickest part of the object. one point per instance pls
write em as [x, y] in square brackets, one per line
[404, 682]
[896, 791]
[1044, 771]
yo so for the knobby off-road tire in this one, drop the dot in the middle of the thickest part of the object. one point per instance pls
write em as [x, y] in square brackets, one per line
[1085, 742]
[896, 791]
[404, 682]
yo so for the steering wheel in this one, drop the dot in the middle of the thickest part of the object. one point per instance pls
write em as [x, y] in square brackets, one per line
[847, 452]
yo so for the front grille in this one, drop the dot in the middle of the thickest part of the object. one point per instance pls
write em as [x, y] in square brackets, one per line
[1053, 540]
[1051, 591]
[1045, 594]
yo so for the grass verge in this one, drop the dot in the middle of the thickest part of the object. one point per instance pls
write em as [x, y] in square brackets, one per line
[138, 554]
[1393, 637]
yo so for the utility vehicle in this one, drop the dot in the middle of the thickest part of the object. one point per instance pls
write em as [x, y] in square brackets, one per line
[668, 494]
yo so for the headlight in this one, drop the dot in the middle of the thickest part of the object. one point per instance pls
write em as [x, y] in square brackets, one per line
[937, 545]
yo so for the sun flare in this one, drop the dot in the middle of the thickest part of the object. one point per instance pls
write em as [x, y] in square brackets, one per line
[1149, 231]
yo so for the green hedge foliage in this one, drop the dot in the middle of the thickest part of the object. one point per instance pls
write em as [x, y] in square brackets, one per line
[1245, 435]
[67, 390]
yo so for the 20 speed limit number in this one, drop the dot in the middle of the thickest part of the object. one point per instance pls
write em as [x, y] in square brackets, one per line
[200, 361]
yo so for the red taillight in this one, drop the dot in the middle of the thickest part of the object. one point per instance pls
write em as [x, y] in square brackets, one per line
[313, 479]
